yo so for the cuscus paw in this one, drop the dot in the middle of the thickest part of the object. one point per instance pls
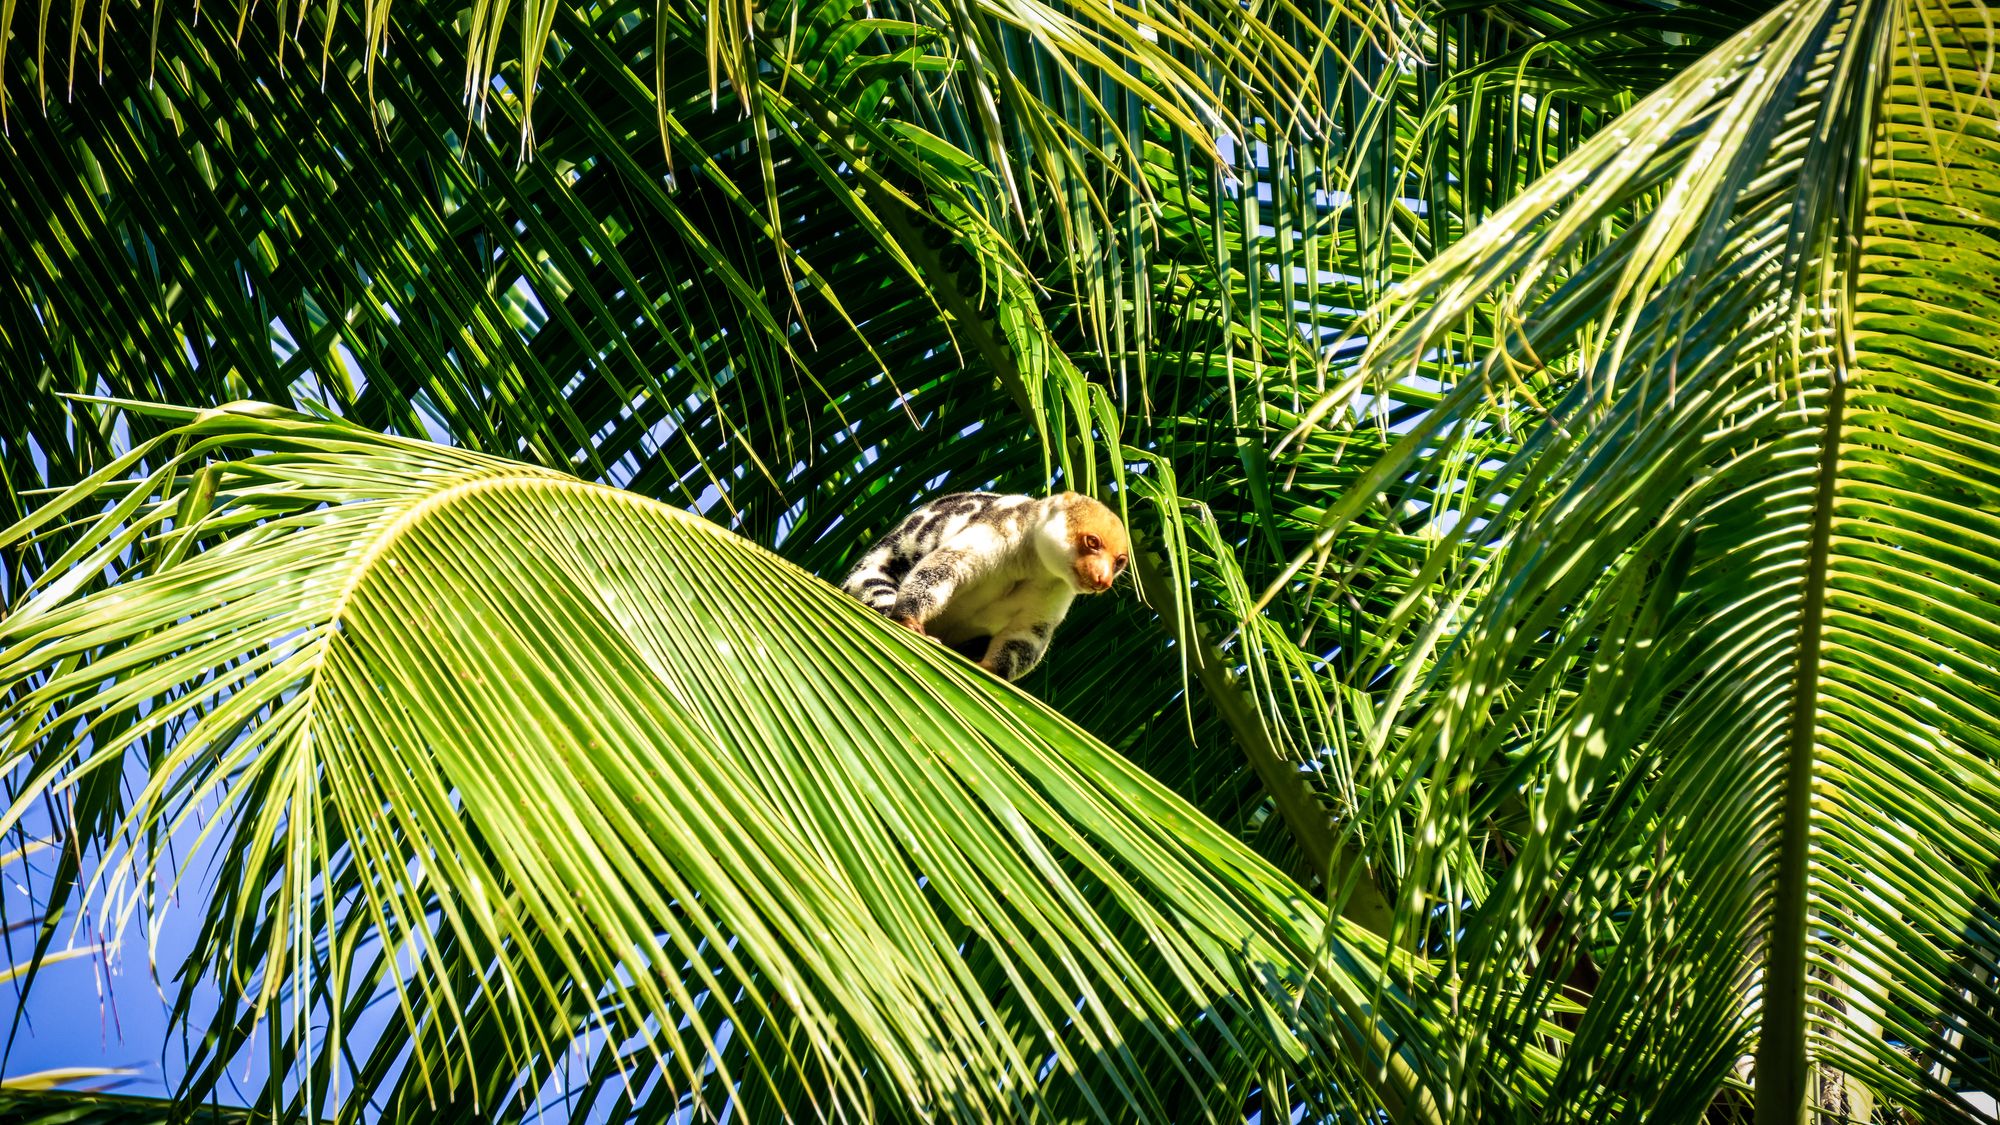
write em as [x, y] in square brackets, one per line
[914, 626]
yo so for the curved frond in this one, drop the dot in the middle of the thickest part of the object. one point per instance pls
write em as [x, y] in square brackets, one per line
[554, 767]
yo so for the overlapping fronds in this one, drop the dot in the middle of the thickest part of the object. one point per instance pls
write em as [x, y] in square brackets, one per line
[1708, 748]
[612, 307]
[1176, 57]
[196, 223]
[1258, 274]
[552, 767]
[1627, 604]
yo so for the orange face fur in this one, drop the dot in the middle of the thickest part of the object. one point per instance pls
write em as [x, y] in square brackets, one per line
[1098, 544]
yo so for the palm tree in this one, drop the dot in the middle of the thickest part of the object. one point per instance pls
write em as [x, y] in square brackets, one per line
[1559, 433]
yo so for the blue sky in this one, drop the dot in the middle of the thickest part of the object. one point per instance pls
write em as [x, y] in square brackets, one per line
[104, 1009]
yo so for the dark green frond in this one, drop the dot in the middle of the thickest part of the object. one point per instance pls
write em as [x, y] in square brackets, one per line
[1720, 693]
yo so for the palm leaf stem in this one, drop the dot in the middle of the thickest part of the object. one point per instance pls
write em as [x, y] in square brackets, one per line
[1783, 1077]
[1333, 858]
[1781, 1051]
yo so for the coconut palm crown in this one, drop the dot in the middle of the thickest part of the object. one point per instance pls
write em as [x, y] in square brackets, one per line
[1562, 445]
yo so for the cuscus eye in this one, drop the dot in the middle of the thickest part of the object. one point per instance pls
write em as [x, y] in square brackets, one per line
[1120, 562]
[1092, 543]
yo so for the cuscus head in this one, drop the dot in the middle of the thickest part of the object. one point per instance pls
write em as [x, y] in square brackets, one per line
[1088, 541]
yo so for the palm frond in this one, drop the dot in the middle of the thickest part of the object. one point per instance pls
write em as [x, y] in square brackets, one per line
[1707, 746]
[71, 1108]
[557, 768]
[767, 318]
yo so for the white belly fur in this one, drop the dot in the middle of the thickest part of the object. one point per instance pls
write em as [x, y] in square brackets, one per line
[985, 607]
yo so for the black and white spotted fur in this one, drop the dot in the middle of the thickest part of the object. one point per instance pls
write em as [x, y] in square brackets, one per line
[976, 566]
